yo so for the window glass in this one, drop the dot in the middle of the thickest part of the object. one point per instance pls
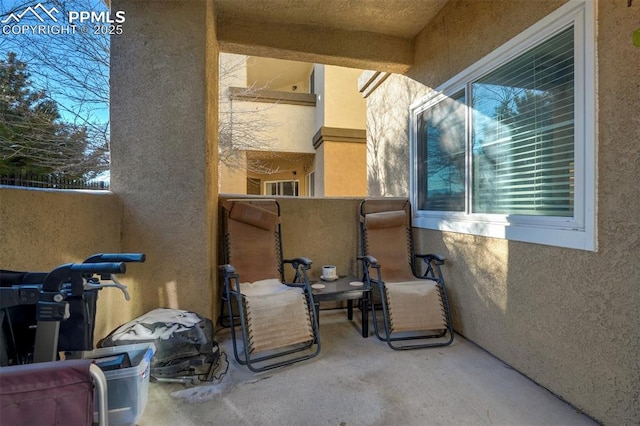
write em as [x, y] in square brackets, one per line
[506, 148]
[285, 187]
[523, 133]
[441, 155]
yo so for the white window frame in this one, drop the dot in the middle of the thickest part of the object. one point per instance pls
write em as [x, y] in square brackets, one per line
[296, 181]
[577, 232]
[310, 184]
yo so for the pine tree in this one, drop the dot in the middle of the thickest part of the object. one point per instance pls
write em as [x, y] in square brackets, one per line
[33, 140]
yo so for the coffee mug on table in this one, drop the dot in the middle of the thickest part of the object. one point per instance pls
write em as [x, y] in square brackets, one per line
[329, 272]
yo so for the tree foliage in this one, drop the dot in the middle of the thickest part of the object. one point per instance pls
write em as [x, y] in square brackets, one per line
[73, 69]
[32, 137]
[68, 74]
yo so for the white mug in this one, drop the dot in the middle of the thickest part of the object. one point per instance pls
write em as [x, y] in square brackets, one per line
[329, 272]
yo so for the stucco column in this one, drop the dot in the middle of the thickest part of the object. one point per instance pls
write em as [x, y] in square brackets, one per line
[164, 77]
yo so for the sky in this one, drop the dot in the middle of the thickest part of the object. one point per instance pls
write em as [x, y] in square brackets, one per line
[57, 60]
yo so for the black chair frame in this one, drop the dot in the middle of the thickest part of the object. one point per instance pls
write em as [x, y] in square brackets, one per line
[233, 300]
[432, 264]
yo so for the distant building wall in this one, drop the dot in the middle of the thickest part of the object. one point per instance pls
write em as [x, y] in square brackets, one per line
[344, 107]
[345, 169]
[233, 178]
[291, 128]
[319, 88]
[388, 135]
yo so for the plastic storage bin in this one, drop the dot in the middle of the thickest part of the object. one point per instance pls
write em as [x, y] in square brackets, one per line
[127, 388]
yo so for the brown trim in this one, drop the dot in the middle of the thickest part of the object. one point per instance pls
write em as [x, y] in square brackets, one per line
[370, 80]
[272, 96]
[337, 134]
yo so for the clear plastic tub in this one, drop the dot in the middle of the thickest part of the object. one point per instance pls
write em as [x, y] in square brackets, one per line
[127, 388]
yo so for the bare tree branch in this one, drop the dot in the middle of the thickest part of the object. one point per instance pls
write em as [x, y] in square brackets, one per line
[243, 125]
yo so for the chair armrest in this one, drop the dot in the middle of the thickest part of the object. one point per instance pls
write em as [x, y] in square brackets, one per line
[300, 266]
[229, 275]
[368, 260]
[227, 270]
[304, 261]
[438, 259]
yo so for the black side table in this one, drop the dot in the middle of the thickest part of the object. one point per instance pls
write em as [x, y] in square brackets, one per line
[341, 289]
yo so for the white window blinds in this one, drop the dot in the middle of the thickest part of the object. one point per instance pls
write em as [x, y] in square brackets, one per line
[523, 133]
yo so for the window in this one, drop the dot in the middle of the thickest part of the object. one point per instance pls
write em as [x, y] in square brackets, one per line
[506, 148]
[312, 82]
[281, 187]
[310, 180]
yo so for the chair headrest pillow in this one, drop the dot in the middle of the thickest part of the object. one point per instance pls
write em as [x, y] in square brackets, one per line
[388, 219]
[253, 215]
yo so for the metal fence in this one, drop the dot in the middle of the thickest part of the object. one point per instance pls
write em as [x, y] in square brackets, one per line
[53, 182]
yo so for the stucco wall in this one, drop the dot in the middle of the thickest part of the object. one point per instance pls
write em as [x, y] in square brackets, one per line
[286, 128]
[320, 168]
[41, 229]
[233, 180]
[331, 224]
[345, 169]
[164, 149]
[318, 89]
[343, 105]
[388, 136]
[566, 318]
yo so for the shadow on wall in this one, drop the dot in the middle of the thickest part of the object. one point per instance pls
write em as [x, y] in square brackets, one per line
[546, 311]
[388, 135]
[475, 288]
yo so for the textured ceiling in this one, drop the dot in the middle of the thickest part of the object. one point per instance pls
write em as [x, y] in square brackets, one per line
[397, 18]
[366, 34]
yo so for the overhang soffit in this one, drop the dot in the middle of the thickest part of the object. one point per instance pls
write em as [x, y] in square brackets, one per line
[316, 44]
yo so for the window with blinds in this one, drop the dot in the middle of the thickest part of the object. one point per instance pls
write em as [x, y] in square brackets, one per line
[523, 133]
[506, 148]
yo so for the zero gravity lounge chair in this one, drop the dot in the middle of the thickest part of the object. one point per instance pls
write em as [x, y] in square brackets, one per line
[415, 309]
[278, 324]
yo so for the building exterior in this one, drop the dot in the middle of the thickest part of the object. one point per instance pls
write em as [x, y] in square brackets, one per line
[566, 317]
[290, 128]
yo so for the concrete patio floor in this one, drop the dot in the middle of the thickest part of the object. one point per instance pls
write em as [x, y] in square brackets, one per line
[356, 381]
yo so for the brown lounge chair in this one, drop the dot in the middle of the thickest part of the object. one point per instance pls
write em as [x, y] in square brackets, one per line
[277, 319]
[415, 308]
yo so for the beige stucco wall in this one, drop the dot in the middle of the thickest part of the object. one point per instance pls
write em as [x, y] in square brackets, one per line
[332, 225]
[233, 71]
[345, 167]
[566, 318]
[233, 177]
[274, 126]
[344, 106]
[41, 229]
[388, 136]
[288, 128]
[340, 165]
[164, 157]
[319, 171]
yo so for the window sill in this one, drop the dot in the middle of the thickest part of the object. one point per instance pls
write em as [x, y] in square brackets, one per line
[581, 238]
